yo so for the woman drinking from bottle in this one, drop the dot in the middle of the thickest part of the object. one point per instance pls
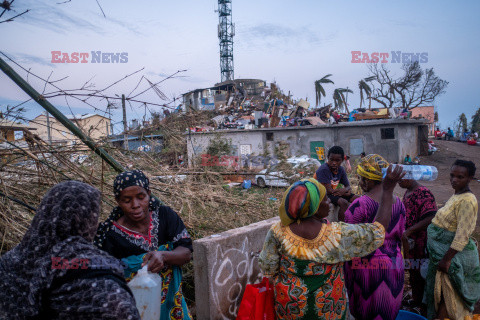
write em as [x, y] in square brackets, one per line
[375, 286]
[303, 254]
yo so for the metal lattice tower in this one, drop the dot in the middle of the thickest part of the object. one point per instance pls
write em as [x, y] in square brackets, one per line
[226, 31]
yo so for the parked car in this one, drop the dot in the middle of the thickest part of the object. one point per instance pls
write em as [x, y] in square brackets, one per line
[276, 178]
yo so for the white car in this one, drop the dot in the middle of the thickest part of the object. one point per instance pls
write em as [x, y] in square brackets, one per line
[273, 178]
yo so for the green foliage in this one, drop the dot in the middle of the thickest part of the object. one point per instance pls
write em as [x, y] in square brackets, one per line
[319, 90]
[463, 122]
[340, 100]
[363, 86]
[476, 121]
[219, 146]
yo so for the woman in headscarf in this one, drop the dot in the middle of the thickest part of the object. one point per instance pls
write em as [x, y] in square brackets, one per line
[420, 208]
[303, 254]
[453, 278]
[141, 231]
[375, 283]
[56, 272]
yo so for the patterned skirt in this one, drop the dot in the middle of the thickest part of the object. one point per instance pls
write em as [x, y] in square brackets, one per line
[310, 290]
[375, 286]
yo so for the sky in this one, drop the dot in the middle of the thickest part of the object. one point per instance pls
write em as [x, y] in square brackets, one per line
[292, 43]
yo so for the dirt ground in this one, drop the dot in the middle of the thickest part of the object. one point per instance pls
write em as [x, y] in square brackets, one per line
[448, 152]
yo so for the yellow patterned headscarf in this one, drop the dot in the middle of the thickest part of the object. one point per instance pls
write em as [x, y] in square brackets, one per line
[301, 200]
[371, 167]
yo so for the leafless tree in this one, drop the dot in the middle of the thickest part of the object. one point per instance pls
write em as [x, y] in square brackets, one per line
[414, 88]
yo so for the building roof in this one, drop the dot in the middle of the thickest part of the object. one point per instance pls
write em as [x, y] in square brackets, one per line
[84, 116]
[76, 116]
[119, 137]
[368, 123]
[225, 84]
[7, 124]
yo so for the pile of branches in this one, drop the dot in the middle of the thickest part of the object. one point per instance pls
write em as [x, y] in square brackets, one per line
[203, 200]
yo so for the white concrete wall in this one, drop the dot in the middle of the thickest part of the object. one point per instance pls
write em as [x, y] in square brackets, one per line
[299, 138]
[224, 264]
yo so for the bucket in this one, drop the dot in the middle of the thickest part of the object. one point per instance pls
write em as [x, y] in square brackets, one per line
[406, 315]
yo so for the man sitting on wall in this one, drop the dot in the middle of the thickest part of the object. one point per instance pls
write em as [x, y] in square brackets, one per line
[333, 176]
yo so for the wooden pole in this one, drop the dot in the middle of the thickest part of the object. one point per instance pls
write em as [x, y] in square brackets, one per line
[49, 133]
[125, 127]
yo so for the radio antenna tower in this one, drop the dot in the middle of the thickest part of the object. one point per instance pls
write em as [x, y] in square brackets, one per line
[226, 31]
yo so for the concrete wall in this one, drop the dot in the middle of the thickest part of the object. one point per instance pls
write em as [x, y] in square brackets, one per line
[95, 126]
[57, 130]
[299, 138]
[408, 135]
[224, 264]
[427, 113]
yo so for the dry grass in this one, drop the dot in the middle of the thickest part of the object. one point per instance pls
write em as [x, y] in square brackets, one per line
[204, 201]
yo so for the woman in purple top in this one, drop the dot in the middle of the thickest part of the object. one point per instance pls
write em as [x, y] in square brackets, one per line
[375, 282]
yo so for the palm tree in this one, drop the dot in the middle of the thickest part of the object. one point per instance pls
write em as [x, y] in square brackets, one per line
[319, 90]
[340, 100]
[363, 86]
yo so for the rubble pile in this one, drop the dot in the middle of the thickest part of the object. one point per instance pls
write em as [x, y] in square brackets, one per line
[250, 104]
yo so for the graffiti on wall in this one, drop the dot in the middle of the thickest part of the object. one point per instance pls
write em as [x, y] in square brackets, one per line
[233, 269]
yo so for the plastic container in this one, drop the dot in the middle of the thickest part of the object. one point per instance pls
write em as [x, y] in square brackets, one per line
[417, 172]
[405, 315]
[247, 184]
[424, 269]
[147, 290]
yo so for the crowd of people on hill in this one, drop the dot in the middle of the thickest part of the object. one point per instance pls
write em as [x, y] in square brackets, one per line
[470, 137]
[319, 269]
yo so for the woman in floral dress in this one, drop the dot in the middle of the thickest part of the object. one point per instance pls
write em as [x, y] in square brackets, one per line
[303, 254]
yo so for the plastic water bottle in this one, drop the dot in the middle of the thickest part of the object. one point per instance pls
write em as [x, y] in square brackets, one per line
[416, 172]
[147, 290]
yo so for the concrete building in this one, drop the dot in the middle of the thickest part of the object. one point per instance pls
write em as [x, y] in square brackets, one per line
[8, 130]
[427, 113]
[392, 139]
[94, 125]
[222, 94]
[199, 99]
[153, 143]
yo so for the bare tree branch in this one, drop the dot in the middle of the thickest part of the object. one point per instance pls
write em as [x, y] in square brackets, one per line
[414, 88]
[169, 77]
[18, 15]
[101, 8]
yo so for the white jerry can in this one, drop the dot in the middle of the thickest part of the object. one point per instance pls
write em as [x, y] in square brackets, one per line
[147, 290]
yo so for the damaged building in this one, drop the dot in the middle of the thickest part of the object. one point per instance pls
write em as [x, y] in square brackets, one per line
[392, 138]
[225, 94]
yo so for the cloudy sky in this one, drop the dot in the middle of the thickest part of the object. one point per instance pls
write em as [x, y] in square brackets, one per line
[291, 42]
